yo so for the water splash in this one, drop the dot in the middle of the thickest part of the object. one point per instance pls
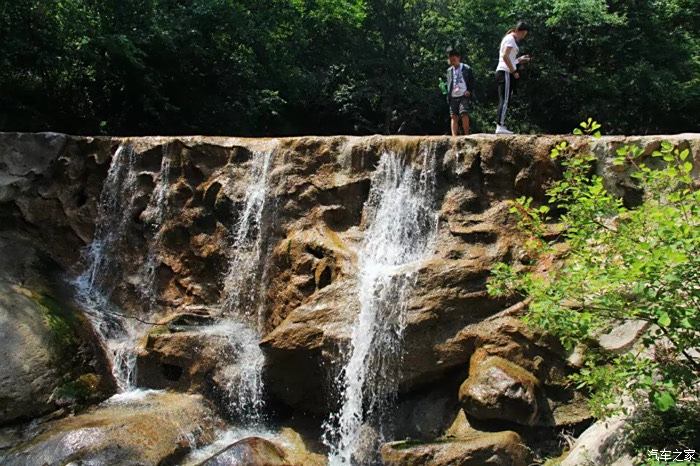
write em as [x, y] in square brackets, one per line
[147, 274]
[94, 286]
[242, 375]
[401, 226]
[242, 293]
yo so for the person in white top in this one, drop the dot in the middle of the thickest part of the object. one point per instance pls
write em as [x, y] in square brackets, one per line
[507, 71]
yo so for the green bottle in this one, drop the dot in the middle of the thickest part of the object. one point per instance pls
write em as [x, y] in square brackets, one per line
[443, 87]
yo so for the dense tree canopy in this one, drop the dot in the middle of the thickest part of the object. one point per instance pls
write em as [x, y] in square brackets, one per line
[275, 67]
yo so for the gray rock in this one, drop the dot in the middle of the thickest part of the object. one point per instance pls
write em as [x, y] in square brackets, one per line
[602, 444]
[621, 338]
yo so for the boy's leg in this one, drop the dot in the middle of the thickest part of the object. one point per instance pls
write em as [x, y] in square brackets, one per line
[464, 114]
[465, 123]
[454, 125]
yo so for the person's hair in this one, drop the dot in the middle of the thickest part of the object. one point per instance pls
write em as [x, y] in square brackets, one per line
[453, 53]
[520, 26]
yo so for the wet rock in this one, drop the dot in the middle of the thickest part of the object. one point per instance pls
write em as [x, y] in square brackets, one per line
[136, 428]
[52, 358]
[479, 449]
[500, 390]
[251, 451]
[196, 353]
[181, 353]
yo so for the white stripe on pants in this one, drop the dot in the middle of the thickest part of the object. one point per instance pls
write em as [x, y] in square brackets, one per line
[506, 97]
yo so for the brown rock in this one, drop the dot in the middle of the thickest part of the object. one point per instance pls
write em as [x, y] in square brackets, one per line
[480, 449]
[499, 390]
[150, 429]
[251, 451]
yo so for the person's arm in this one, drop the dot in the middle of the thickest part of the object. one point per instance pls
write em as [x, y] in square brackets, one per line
[470, 82]
[511, 66]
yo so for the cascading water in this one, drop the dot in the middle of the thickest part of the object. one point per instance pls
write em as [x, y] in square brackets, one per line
[147, 279]
[242, 292]
[401, 225]
[95, 284]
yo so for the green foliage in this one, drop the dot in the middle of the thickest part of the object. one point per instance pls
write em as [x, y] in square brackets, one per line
[618, 264]
[338, 66]
[676, 429]
[80, 390]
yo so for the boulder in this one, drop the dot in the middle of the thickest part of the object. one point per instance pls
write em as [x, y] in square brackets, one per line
[479, 449]
[604, 443]
[251, 451]
[137, 428]
[622, 337]
[182, 352]
[285, 447]
[201, 354]
[500, 390]
[52, 357]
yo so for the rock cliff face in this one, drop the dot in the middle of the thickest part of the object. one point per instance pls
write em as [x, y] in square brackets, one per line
[184, 236]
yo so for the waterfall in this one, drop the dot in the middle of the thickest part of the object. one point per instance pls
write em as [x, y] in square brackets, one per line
[96, 283]
[242, 294]
[147, 274]
[401, 223]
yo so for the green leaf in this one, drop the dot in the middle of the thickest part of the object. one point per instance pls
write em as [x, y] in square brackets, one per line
[664, 401]
[664, 319]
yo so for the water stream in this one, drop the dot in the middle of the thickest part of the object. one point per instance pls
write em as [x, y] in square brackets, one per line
[401, 223]
[159, 205]
[242, 304]
[97, 282]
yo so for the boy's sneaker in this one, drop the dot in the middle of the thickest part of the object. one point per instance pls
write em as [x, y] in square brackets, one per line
[502, 130]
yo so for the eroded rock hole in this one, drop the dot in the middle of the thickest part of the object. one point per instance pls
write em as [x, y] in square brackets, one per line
[171, 372]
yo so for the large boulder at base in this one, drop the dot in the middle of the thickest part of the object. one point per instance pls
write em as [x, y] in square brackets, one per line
[285, 447]
[497, 389]
[51, 357]
[481, 449]
[251, 451]
[138, 428]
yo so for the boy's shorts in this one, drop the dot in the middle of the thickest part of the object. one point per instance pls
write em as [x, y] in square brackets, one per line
[459, 105]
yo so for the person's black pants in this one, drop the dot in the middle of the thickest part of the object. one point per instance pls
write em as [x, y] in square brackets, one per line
[506, 86]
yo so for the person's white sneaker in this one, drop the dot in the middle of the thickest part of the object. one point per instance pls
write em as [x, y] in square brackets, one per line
[502, 130]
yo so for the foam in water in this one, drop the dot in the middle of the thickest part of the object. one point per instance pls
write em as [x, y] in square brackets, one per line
[95, 284]
[242, 292]
[401, 224]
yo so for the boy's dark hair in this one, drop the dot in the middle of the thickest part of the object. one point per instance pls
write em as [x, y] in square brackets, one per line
[453, 53]
[522, 26]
